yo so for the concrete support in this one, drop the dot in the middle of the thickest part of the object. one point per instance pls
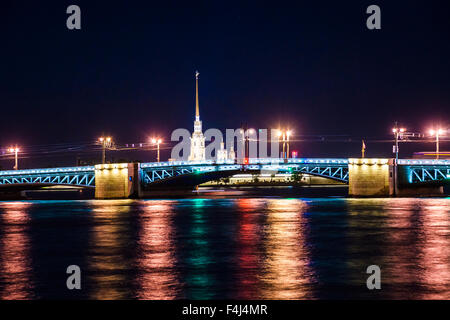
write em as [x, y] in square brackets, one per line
[378, 178]
[419, 191]
[116, 181]
[370, 177]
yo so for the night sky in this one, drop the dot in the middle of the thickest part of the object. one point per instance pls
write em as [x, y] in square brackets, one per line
[310, 65]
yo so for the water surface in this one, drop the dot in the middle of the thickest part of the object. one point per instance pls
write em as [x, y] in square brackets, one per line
[248, 248]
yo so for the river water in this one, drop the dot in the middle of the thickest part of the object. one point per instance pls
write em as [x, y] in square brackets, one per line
[239, 248]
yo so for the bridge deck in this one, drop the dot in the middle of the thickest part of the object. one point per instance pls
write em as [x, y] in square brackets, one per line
[418, 170]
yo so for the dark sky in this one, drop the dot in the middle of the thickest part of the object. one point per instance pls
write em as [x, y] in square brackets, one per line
[312, 65]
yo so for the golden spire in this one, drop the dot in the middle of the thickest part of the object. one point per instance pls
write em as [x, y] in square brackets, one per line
[197, 111]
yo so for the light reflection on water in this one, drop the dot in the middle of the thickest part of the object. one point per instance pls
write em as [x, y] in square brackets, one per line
[285, 269]
[156, 260]
[108, 260]
[249, 248]
[15, 264]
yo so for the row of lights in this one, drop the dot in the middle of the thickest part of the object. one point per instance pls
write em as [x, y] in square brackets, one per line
[15, 150]
[106, 142]
[401, 131]
[283, 135]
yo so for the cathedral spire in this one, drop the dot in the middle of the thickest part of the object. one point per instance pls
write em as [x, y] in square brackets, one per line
[197, 111]
[197, 139]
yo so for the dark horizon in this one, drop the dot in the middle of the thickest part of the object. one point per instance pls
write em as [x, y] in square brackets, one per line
[316, 68]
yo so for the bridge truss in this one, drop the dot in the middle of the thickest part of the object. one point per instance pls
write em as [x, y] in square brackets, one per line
[74, 176]
[336, 169]
[429, 170]
[335, 173]
[425, 174]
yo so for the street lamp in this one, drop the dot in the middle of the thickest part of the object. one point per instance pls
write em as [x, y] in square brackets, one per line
[106, 143]
[280, 135]
[397, 133]
[284, 135]
[288, 134]
[248, 132]
[157, 141]
[437, 133]
[15, 150]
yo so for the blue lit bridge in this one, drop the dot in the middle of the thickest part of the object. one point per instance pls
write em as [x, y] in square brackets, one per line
[71, 176]
[136, 178]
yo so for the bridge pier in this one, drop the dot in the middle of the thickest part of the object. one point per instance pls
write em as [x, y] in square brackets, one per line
[378, 178]
[117, 181]
[370, 177]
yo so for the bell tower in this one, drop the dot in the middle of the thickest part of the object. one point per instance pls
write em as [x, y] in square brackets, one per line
[197, 139]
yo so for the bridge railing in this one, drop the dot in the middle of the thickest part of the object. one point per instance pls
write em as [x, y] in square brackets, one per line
[426, 162]
[337, 161]
[47, 171]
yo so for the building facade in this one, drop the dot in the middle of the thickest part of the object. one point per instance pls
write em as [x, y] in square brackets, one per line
[197, 139]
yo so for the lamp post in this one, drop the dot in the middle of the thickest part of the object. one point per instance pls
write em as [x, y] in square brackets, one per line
[288, 134]
[397, 133]
[15, 150]
[281, 135]
[157, 141]
[284, 135]
[248, 132]
[437, 133]
[106, 142]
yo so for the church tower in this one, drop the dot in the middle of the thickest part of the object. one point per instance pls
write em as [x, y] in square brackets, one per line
[197, 139]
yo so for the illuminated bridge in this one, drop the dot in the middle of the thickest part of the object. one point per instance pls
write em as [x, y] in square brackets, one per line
[424, 171]
[72, 176]
[136, 178]
[336, 169]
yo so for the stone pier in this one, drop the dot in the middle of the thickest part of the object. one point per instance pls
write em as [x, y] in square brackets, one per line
[370, 177]
[116, 181]
[380, 178]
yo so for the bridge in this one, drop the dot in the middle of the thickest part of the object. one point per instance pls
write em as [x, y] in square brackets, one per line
[72, 176]
[366, 177]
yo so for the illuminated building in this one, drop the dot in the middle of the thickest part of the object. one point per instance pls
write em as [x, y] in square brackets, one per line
[221, 153]
[197, 139]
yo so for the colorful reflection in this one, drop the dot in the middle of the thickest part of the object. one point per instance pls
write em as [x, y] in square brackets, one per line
[399, 272]
[362, 243]
[409, 239]
[158, 278]
[435, 250]
[286, 273]
[15, 261]
[248, 253]
[109, 263]
[199, 281]
[248, 248]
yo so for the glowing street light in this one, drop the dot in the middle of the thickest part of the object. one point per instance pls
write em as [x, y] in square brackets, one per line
[397, 133]
[106, 143]
[437, 133]
[157, 141]
[284, 135]
[288, 134]
[247, 134]
[15, 150]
